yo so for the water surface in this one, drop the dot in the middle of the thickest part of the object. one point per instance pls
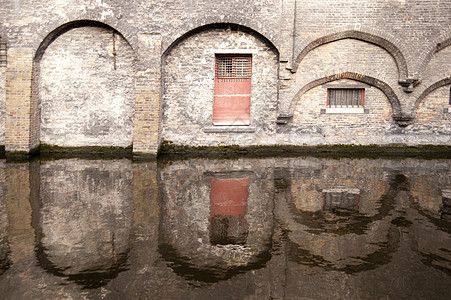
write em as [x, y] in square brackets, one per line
[243, 228]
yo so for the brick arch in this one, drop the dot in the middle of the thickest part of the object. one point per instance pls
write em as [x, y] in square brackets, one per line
[439, 44]
[209, 24]
[55, 33]
[385, 88]
[430, 89]
[392, 47]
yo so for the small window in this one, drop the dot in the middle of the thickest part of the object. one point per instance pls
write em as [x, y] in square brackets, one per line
[2, 53]
[345, 97]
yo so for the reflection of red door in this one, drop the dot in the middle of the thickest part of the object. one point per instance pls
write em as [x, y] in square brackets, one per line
[228, 210]
[232, 98]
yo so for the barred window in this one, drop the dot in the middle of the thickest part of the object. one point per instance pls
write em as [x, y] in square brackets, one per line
[2, 53]
[345, 97]
[233, 66]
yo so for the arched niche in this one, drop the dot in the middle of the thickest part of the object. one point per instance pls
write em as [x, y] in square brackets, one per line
[84, 84]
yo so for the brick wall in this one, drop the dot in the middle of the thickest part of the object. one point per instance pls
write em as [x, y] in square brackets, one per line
[433, 117]
[2, 104]
[366, 128]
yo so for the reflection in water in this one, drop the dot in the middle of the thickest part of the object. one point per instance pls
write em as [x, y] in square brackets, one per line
[5, 261]
[445, 209]
[228, 211]
[215, 225]
[83, 224]
[334, 229]
[280, 228]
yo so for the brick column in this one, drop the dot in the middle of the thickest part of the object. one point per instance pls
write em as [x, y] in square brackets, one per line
[21, 125]
[148, 96]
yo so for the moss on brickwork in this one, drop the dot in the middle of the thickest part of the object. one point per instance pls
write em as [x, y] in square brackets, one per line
[168, 147]
[82, 151]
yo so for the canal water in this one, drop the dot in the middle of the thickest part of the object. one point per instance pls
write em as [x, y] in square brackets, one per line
[239, 228]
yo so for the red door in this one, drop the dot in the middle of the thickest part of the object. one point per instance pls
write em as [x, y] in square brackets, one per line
[232, 99]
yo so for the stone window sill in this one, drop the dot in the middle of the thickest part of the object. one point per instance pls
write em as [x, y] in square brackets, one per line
[344, 110]
[230, 129]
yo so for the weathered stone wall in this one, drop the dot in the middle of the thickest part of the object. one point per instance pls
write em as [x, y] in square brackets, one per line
[87, 89]
[2, 104]
[189, 72]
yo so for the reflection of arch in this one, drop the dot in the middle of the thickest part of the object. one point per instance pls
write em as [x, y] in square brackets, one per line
[359, 222]
[435, 239]
[232, 26]
[356, 225]
[370, 262]
[385, 88]
[242, 23]
[391, 48]
[430, 89]
[103, 240]
[185, 268]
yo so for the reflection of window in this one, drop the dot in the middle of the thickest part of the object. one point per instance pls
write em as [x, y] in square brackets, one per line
[228, 210]
[343, 198]
[345, 97]
[445, 208]
[232, 98]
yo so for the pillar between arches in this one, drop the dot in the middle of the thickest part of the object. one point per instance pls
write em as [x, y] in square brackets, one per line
[22, 119]
[146, 136]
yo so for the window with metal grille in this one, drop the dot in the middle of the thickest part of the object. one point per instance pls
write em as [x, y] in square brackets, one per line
[2, 53]
[230, 67]
[345, 97]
